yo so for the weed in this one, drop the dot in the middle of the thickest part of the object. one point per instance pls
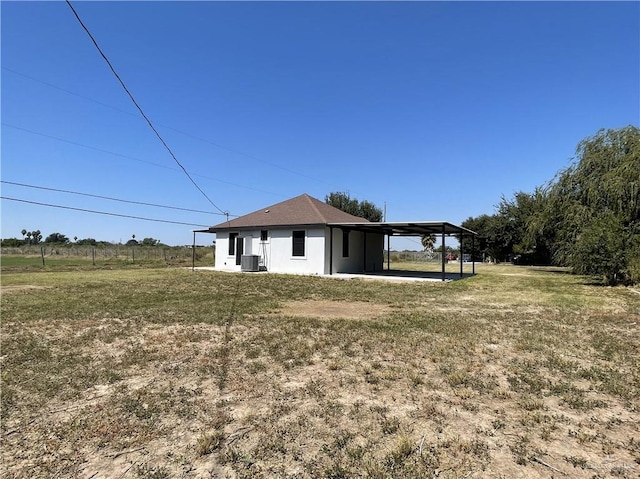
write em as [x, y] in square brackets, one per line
[402, 450]
[578, 400]
[232, 455]
[577, 461]
[389, 425]
[498, 424]
[521, 450]
[416, 379]
[209, 442]
[336, 471]
[531, 404]
[145, 471]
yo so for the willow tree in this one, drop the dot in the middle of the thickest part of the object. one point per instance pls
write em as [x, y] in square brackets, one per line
[593, 212]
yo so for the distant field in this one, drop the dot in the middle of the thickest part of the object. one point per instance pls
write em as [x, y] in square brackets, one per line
[66, 258]
[162, 372]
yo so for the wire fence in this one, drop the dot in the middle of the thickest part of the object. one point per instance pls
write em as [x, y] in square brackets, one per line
[100, 254]
[415, 256]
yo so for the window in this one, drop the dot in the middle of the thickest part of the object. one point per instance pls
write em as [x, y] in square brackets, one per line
[298, 243]
[264, 235]
[345, 244]
[232, 243]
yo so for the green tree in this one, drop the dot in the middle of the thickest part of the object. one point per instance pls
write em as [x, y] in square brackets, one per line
[150, 242]
[12, 242]
[363, 209]
[494, 238]
[519, 219]
[32, 237]
[56, 238]
[86, 241]
[593, 211]
[476, 246]
[369, 211]
[36, 237]
[602, 241]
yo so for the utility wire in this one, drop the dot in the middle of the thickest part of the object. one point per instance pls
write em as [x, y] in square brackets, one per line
[110, 198]
[100, 212]
[95, 43]
[135, 159]
[69, 92]
[217, 145]
[86, 146]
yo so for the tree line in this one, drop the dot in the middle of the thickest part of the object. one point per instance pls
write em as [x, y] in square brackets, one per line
[35, 237]
[587, 217]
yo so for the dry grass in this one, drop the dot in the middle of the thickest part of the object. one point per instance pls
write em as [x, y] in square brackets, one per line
[517, 372]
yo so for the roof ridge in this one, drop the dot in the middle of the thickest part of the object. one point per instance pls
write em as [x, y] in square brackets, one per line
[315, 208]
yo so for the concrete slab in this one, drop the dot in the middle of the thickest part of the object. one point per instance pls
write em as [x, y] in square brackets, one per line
[390, 275]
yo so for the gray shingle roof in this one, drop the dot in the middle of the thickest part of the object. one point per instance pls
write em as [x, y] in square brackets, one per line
[298, 211]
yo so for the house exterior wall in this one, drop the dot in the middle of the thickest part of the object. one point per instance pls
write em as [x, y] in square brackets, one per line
[277, 252]
[224, 262]
[282, 260]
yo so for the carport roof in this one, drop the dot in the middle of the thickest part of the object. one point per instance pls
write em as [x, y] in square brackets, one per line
[411, 228]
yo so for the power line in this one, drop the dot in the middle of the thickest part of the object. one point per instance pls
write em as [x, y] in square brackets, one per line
[134, 158]
[195, 137]
[101, 212]
[69, 92]
[95, 43]
[86, 146]
[110, 198]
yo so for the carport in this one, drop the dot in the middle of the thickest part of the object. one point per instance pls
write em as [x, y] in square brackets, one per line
[417, 228]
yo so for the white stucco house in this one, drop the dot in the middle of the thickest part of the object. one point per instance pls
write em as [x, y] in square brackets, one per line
[304, 235]
[301, 235]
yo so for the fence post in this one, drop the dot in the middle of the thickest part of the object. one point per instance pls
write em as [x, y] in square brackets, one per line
[193, 253]
[93, 255]
[42, 254]
[133, 253]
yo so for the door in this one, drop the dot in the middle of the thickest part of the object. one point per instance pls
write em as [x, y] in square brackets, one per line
[239, 249]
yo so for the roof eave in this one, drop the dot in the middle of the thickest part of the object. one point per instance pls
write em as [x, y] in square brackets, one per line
[215, 229]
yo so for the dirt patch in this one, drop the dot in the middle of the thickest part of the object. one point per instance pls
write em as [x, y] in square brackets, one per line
[334, 309]
[20, 287]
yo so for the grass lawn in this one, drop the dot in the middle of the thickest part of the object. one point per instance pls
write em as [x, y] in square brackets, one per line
[22, 263]
[518, 372]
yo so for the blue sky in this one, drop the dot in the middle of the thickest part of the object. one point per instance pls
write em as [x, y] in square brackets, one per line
[435, 108]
